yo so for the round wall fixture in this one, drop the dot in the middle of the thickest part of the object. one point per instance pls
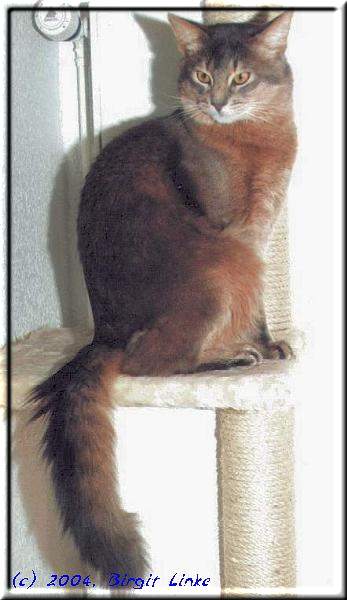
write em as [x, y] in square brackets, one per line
[58, 22]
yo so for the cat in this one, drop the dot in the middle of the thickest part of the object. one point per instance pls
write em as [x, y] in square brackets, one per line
[173, 221]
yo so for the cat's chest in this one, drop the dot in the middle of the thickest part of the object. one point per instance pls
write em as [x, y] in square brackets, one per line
[222, 181]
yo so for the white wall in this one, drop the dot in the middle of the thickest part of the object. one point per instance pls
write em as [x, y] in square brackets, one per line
[45, 191]
[314, 204]
[37, 151]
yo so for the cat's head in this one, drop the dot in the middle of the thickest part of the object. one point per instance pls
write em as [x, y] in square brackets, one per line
[232, 72]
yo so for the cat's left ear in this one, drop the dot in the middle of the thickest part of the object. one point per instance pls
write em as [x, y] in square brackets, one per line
[272, 41]
[191, 37]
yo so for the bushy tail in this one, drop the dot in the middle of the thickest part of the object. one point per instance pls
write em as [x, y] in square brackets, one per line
[78, 444]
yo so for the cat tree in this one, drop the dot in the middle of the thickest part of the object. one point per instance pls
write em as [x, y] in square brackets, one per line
[254, 424]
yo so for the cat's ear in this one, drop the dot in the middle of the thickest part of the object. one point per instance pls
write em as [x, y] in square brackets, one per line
[272, 40]
[190, 37]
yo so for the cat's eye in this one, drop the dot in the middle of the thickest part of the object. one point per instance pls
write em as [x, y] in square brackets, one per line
[203, 77]
[241, 77]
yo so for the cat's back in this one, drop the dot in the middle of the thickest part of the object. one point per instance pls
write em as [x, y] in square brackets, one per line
[129, 182]
[122, 159]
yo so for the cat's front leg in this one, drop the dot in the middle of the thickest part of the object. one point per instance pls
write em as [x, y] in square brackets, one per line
[264, 204]
[255, 225]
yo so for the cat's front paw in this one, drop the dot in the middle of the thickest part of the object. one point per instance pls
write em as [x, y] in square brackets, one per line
[280, 350]
[248, 356]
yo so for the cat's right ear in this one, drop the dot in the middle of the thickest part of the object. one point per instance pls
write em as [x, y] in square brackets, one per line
[190, 37]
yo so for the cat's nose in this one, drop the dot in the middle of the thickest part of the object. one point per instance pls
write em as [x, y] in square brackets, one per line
[218, 105]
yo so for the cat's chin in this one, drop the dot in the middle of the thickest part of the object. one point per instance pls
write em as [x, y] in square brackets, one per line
[207, 118]
[227, 119]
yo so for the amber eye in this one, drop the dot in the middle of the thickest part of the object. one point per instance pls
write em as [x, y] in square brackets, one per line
[241, 78]
[203, 77]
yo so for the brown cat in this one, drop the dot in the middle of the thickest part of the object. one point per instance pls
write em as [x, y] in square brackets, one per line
[172, 225]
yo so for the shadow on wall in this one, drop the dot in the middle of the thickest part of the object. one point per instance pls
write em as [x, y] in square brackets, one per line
[41, 516]
[62, 247]
[62, 242]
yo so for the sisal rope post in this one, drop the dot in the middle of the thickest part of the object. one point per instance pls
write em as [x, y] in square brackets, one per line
[277, 283]
[255, 447]
[256, 501]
